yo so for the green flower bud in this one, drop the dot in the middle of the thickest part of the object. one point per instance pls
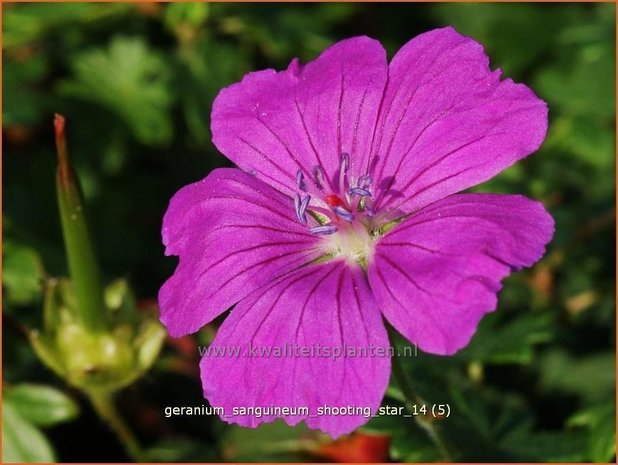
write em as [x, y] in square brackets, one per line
[97, 361]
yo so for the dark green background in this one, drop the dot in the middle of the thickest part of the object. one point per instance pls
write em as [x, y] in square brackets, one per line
[136, 83]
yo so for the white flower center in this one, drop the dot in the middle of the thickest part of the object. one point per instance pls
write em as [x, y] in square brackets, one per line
[355, 244]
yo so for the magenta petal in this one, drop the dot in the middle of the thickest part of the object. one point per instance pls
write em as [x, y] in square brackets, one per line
[447, 122]
[275, 123]
[328, 306]
[233, 233]
[435, 275]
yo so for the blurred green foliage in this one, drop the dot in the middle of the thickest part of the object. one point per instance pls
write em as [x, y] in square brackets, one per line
[136, 82]
[25, 408]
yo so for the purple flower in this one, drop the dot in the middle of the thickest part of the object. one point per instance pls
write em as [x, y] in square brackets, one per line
[346, 210]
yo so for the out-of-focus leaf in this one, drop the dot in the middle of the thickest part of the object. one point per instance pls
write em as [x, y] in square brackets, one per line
[499, 26]
[512, 342]
[602, 442]
[585, 138]
[40, 404]
[181, 450]
[603, 439]
[130, 79]
[601, 423]
[548, 446]
[387, 424]
[591, 377]
[30, 22]
[22, 441]
[582, 84]
[205, 66]
[281, 33]
[413, 446]
[22, 274]
[581, 89]
[276, 442]
[23, 102]
[178, 15]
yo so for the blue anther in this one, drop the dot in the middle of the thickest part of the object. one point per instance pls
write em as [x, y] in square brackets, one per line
[359, 191]
[344, 214]
[324, 230]
[300, 181]
[364, 181]
[303, 208]
[297, 206]
[318, 176]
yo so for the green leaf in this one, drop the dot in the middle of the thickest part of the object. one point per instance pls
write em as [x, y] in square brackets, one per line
[592, 377]
[583, 84]
[602, 441]
[129, 79]
[601, 423]
[512, 342]
[547, 447]
[204, 66]
[21, 440]
[23, 101]
[276, 442]
[413, 446]
[41, 405]
[584, 137]
[499, 27]
[179, 450]
[22, 274]
[31, 22]
[191, 14]
[387, 424]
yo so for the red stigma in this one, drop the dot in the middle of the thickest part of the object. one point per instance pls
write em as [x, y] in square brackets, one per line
[334, 201]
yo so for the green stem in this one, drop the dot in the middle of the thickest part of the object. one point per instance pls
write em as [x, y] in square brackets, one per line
[83, 266]
[412, 399]
[105, 408]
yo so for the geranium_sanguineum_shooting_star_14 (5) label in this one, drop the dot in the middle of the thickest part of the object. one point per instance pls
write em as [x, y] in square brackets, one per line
[346, 209]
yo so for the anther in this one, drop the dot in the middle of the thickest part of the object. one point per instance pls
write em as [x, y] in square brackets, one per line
[297, 208]
[359, 191]
[318, 177]
[344, 163]
[364, 182]
[323, 230]
[303, 208]
[300, 181]
[344, 214]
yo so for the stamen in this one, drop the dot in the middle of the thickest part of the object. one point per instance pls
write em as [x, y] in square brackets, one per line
[364, 182]
[344, 163]
[318, 177]
[359, 191]
[344, 214]
[303, 208]
[300, 214]
[335, 204]
[300, 181]
[324, 230]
